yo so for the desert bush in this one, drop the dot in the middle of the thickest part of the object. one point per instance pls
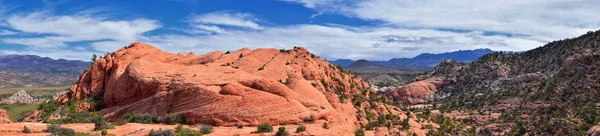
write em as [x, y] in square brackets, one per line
[48, 108]
[206, 129]
[309, 119]
[240, 126]
[100, 123]
[141, 118]
[167, 132]
[174, 118]
[282, 132]
[359, 132]
[300, 128]
[325, 125]
[26, 130]
[180, 131]
[55, 130]
[104, 132]
[266, 127]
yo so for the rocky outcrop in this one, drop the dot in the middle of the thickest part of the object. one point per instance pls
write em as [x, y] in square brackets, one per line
[222, 88]
[4, 118]
[416, 92]
[21, 97]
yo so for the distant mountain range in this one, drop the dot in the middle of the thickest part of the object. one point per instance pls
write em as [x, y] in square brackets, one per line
[36, 71]
[364, 64]
[422, 61]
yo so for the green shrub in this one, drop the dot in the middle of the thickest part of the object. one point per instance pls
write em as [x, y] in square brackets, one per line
[359, 132]
[55, 130]
[405, 124]
[282, 132]
[310, 119]
[77, 117]
[325, 125]
[266, 127]
[180, 131]
[178, 128]
[48, 108]
[206, 129]
[300, 128]
[371, 125]
[141, 118]
[167, 132]
[173, 118]
[104, 132]
[121, 123]
[26, 130]
[100, 123]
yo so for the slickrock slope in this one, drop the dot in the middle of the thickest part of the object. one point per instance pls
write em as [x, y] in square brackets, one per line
[4, 118]
[245, 87]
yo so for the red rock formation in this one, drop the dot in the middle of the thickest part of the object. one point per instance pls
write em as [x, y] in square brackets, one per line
[224, 89]
[416, 92]
[34, 116]
[4, 118]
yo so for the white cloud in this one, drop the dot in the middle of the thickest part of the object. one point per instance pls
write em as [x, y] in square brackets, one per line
[210, 28]
[409, 28]
[57, 31]
[244, 20]
[335, 42]
[70, 28]
[312, 3]
[36, 43]
[544, 20]
[7, 32]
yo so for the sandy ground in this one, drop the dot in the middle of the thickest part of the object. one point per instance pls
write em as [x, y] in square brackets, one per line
[135, 129]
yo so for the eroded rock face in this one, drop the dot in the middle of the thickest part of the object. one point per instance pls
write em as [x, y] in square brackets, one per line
[416, 92]
[4, 118]
[242, 87]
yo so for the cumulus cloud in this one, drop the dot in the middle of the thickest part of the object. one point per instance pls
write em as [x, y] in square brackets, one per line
[543, 20]
[7, 32]
[69, 28]
[244, 20]
[57, 31]
[403, 29]
[336, 41]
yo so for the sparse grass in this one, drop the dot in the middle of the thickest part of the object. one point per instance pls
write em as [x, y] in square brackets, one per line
[17, 110]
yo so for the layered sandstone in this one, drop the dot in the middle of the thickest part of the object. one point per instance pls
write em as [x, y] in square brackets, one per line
[416, 92]
[246, 86]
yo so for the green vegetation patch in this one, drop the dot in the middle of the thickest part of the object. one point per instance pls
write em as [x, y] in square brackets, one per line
[18, 110]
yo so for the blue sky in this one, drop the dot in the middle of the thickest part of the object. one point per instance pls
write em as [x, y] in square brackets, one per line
[352, 29]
